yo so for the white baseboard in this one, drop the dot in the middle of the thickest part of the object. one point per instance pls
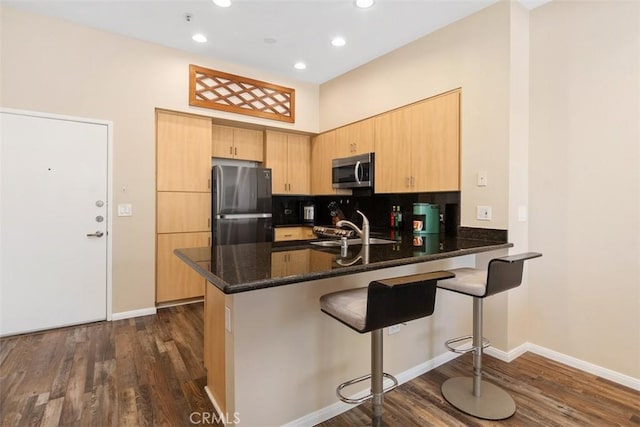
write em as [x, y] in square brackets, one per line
[133, 313]
[338, 408]
[507, 356]
[608, 374]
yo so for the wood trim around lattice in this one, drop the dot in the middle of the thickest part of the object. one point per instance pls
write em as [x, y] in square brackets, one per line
[236, 94]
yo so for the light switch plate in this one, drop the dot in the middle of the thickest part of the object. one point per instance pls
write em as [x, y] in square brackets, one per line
[482, 179]
[522, 213]
[125, 209]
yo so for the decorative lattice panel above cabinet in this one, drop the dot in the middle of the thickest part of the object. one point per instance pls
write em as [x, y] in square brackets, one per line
[236, 94]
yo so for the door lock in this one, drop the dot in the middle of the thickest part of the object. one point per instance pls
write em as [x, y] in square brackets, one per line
[96, 234]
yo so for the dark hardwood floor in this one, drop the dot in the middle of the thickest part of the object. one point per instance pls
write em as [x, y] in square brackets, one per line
[148, 371]
[547, 394]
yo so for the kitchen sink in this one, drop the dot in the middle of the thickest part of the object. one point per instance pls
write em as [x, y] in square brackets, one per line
[335, 243]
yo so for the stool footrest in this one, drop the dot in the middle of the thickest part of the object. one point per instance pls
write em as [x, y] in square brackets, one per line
[370, 395]
[485, 343]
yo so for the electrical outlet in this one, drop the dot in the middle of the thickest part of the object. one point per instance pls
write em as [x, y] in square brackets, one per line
[483, 213]
[394, 329]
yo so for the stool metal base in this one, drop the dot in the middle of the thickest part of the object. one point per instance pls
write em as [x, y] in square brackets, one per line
[368, 396]
[493, 404]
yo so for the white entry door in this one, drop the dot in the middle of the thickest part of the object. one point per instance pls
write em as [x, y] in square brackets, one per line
[53, 222]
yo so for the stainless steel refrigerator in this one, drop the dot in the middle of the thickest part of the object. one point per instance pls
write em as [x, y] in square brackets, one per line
[241, 205]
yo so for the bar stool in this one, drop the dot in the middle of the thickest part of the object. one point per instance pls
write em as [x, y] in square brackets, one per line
[472, 395]
[370, 309]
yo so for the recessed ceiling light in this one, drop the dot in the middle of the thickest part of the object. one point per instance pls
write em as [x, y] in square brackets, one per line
[364, 3]
[270, 40]
[338, 41]
[300, 65]
[200, 38]
[222, 3]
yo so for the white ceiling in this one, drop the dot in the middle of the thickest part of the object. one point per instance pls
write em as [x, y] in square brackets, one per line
[302, 29]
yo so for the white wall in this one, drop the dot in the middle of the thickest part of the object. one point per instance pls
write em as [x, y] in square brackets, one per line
[584, 174]
[57, 67]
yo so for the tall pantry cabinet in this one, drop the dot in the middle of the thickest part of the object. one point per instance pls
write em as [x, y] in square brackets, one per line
[183, 200]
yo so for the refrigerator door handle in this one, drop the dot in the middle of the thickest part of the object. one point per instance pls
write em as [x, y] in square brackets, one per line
[241, 216]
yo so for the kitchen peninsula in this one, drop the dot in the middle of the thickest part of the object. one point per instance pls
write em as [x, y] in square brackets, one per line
[272, 358]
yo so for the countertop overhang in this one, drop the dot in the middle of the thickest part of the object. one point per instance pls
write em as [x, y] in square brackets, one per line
[248, 267]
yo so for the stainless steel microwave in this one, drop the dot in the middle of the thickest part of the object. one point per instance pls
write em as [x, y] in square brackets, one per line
[353, 172]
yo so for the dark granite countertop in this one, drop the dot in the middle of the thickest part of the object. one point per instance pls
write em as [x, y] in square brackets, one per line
[252, 266]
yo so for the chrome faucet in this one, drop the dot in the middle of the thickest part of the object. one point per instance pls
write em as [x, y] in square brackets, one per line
[364, 233]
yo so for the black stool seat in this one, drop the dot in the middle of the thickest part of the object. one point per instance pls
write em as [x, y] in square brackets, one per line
[503, 273]
[383, 303]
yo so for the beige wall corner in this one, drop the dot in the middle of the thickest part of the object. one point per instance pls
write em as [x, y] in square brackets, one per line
[517, 308]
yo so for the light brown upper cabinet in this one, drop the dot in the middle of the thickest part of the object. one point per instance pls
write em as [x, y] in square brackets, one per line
[183, 145]
[288, 155]
[418, 147]
[393, 151]
[322, 152]
[356, 138]
[237, 143]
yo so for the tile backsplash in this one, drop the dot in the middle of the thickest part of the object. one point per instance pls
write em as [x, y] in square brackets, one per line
[377, 207]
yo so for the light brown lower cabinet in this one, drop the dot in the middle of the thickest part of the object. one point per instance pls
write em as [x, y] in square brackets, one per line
[289, 263]
[175, 280]
[284, 234]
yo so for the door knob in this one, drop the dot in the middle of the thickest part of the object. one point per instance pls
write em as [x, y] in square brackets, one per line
[96, 234]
